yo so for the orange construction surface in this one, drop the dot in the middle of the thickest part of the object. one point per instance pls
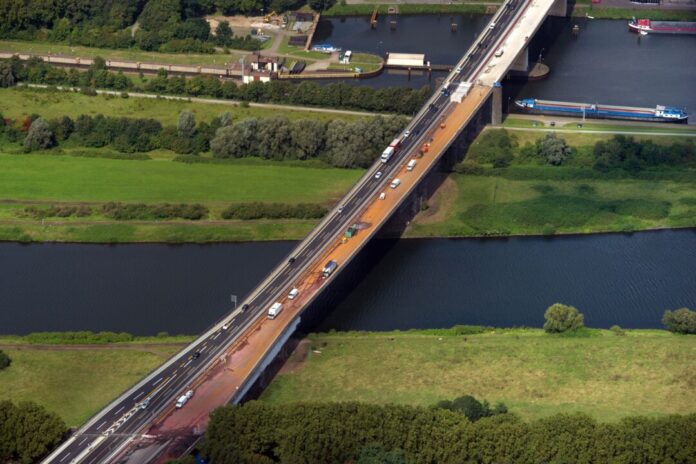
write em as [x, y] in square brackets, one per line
[222, 381]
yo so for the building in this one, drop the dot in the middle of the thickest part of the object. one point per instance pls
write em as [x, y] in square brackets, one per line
[405, 59]
[259, 62]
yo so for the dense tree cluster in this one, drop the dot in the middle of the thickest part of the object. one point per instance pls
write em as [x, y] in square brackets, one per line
[27, 432]
[339, 143]
[343, 432]
[258, 210]
[681, 321]
[334, 95]
[164, 25]
[632, 155]
[561, 318]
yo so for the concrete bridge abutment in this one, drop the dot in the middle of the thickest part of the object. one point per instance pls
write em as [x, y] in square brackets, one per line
[559, 8]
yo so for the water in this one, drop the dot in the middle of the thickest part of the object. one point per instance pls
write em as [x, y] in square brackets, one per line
[144, 289]
[605, 63]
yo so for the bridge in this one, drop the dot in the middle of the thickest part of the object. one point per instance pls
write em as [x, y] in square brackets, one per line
[221, 366]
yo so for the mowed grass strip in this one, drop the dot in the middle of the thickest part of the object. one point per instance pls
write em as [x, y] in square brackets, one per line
[76, 383]
[22, 101]
[43, 48]
[606, 376]
[495, 205]
[67, 178]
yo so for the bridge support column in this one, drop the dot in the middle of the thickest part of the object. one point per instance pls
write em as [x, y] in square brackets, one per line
[497, 104]
[559, 8]
[521, 62]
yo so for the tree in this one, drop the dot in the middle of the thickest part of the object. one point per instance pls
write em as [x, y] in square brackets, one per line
[5, 360]
[27, 432]
[472, 408]
[7, 77]
[186, 126]
[375, 453]
[223, 34]
[561, 318]
[39, 136]
[681, 321]
[554, 150]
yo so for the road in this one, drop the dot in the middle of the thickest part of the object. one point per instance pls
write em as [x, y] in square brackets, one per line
[105, 435]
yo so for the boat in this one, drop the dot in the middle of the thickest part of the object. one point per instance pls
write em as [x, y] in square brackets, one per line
[661, 27]
[588, 110]
[588, 16]
[325, 48]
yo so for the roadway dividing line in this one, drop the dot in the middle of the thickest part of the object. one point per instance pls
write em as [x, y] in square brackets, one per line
[64, 457]
[101, 425]
[83, 441]
[157, 381]
[139, 395]
[121, 409]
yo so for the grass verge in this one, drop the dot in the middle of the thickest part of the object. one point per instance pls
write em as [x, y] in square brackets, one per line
[646, 372]
[23, 101]
[75, 383]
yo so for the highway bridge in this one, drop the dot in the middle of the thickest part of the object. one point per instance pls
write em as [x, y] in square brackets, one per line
[142, 425]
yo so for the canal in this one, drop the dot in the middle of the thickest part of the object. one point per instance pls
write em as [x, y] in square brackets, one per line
[624, 279]
[604, 63]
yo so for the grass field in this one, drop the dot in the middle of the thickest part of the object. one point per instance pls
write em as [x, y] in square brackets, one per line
[76, 382]
[16, 102]
[483, 205]
[42, 48]
[647, 372]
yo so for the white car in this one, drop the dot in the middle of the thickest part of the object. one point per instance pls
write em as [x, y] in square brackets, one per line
[293, 293]
[340, 209]
[407, 133]
[382, 195]
[458, 69]
[226, 325]
[492, 26]
[395, 183]
[378, 174]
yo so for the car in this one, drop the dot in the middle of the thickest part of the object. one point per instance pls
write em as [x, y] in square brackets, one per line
[245, 307]
[291, 260]
[458, 69]
[196, 355]
[293, 293]
[340, 208]
[491, 26]
[189, 394]
[433, 107]
[395, 183]
[145, 403]
[378, 174]
[382, 195]
[444, 91]
[226, 325]
[407, 133]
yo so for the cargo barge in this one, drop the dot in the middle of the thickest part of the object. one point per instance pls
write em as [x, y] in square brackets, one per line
[661, 27]
[586, 110]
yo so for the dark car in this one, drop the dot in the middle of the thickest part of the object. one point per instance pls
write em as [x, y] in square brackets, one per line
[196, 355]
[291, 260]
[245, 307]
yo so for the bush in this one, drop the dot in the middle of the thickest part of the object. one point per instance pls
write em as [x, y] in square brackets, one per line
[132, 211]
[5, 360]
[681, 321]
[39, 136]
[57, 211]
[561, 318]
[472, 408]
[77, 338]
[617, 330]
[258, 210]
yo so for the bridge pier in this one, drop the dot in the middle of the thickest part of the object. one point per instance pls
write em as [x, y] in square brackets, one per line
[559, 8]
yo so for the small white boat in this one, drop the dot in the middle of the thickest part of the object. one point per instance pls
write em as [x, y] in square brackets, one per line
[588, 16]
[643, 33]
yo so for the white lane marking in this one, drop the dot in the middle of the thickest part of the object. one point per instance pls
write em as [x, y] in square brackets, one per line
[101, 425]
[216, 336]
[122, 408]
[64, 457]
[84, 440]
[203, 349]
[139, 395]
[187, 363]
[157, 381]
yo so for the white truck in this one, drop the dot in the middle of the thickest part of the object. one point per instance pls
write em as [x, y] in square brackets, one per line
[411, 164]
[183, 399]
[390, 150]
[274, 310]
[329, 269]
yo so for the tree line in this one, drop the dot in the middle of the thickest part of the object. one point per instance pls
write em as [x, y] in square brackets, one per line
[333, 95]
[28, 432]
[340, 432]
[337, 143]
[163, 25]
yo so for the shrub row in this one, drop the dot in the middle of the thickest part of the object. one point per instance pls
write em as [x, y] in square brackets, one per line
[77, 338]
[257, 210]
[131, 211]
[58, 211]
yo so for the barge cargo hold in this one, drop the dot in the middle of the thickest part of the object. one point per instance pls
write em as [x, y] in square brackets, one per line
[661, 27]
[586, 110]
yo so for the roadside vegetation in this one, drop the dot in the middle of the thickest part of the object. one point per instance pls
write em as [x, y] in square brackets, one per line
[536, 183]
[75, 381]
[606, 374]
[27, 432]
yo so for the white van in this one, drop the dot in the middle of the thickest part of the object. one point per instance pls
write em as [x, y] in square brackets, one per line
[274, 310]
[382, 195]
[293, 293]
[411, 164]
[395, 183]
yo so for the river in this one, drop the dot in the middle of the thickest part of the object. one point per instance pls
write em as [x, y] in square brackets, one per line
[624, 279]
[605, 63]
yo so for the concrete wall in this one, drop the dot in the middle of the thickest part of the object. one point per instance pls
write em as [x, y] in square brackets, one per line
[559, 8]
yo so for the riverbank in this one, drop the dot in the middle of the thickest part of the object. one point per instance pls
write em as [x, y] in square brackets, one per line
[580, 9]
[76, 381]
[644, 372]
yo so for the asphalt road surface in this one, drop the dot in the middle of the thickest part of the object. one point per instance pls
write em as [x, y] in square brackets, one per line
[101, 438]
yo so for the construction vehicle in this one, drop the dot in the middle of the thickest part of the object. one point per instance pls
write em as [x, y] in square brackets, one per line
[351, 231]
